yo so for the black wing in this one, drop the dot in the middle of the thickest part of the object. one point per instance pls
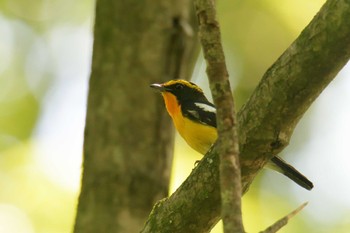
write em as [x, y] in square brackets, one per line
[202, 112]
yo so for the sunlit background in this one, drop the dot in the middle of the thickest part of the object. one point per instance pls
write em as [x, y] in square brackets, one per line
[45, 56]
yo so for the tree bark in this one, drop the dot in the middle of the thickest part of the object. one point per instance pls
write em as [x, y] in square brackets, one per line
[266, 122]
[128, 136]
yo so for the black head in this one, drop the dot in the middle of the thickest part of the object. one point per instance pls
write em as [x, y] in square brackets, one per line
[183, 90]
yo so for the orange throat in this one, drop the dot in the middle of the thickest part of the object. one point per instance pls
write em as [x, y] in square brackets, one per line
[171, 104]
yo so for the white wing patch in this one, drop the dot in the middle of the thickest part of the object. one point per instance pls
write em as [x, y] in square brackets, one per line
[194, 113]
[206, 107]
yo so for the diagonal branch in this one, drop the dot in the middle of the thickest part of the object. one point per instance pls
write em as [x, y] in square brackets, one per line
[283, 221]
[266, 122]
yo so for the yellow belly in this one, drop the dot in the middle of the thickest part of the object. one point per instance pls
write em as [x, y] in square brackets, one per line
[198, 136]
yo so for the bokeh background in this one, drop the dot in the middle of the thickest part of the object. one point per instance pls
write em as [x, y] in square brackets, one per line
[45, 56]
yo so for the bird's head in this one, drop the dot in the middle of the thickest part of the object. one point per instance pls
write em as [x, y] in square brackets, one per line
[183, 90]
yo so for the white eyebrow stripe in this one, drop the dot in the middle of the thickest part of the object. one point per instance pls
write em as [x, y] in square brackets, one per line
[206, 107]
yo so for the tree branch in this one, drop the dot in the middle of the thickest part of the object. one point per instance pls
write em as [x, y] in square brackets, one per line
[230, 173]
[266, 122]
[283, 221]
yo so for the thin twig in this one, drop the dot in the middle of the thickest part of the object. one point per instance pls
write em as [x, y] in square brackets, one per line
[283, 221]
[230, 173]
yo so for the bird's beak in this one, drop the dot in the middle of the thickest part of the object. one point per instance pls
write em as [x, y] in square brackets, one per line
[159, 87]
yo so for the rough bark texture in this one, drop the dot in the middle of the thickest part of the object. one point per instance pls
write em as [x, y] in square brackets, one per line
[128, 137]
[266, 121]
[227, 143]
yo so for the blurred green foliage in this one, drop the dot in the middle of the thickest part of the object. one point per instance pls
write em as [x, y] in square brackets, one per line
[30, 201]
[255, 33]
[19, 111]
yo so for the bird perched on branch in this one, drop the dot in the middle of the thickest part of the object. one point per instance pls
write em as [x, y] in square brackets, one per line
[195, 119]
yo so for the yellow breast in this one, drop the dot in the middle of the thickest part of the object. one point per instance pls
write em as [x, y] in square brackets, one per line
[199, 136]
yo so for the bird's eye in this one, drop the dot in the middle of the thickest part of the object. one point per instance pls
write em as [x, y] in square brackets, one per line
[179, 86]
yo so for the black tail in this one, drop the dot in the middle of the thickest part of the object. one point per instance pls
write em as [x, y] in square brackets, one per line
[291, 173]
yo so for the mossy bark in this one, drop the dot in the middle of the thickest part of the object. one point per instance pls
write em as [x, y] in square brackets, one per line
[128, 136]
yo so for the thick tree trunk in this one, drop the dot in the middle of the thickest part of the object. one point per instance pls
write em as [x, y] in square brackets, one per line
[128, 137]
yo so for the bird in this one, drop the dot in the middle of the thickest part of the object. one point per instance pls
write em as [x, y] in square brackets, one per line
[194, 117]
